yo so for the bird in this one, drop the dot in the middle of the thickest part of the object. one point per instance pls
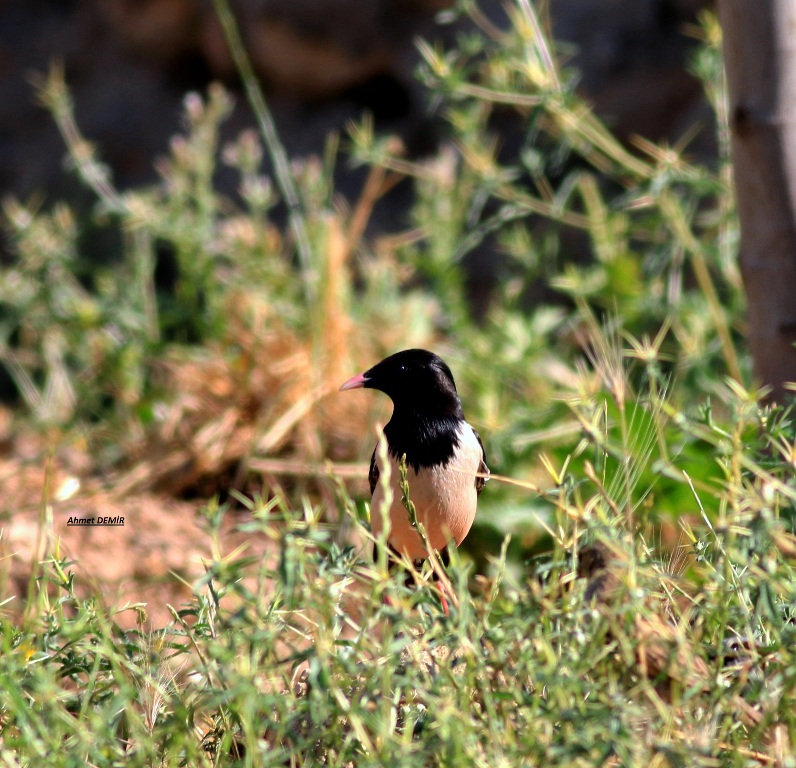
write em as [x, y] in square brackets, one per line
[445, 458]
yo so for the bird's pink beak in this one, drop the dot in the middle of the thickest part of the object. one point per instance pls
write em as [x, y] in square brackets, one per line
[354, 382]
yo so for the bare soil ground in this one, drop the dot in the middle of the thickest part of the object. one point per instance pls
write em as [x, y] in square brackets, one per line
[153, 558]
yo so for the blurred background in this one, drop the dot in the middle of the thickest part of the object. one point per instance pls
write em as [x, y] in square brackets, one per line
[486, 180]
[322, 63]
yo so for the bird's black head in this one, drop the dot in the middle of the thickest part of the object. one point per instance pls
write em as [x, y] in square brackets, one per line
[416, 380]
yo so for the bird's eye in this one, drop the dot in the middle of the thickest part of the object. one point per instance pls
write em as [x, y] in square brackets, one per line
[402, 368]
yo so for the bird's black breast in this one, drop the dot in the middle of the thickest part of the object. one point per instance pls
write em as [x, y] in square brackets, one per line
[426, 442]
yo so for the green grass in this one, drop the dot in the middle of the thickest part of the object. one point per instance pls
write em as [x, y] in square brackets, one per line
[621, 414]
[525, 670]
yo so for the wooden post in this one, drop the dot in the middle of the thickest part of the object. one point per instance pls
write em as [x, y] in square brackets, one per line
[760, 58]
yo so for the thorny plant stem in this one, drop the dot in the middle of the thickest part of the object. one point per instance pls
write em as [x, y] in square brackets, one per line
[674, 211]
[411, 510]
[55, 97]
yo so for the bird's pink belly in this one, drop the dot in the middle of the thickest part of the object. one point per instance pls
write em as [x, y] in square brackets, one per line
[445, 500]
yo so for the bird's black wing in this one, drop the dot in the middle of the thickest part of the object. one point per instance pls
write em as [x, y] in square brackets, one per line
[483, 469]
[373, 472]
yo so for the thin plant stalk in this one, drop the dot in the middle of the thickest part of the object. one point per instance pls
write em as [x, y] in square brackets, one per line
[276, 149]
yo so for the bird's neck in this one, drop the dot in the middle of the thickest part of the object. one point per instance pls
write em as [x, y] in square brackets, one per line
[426, 439]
